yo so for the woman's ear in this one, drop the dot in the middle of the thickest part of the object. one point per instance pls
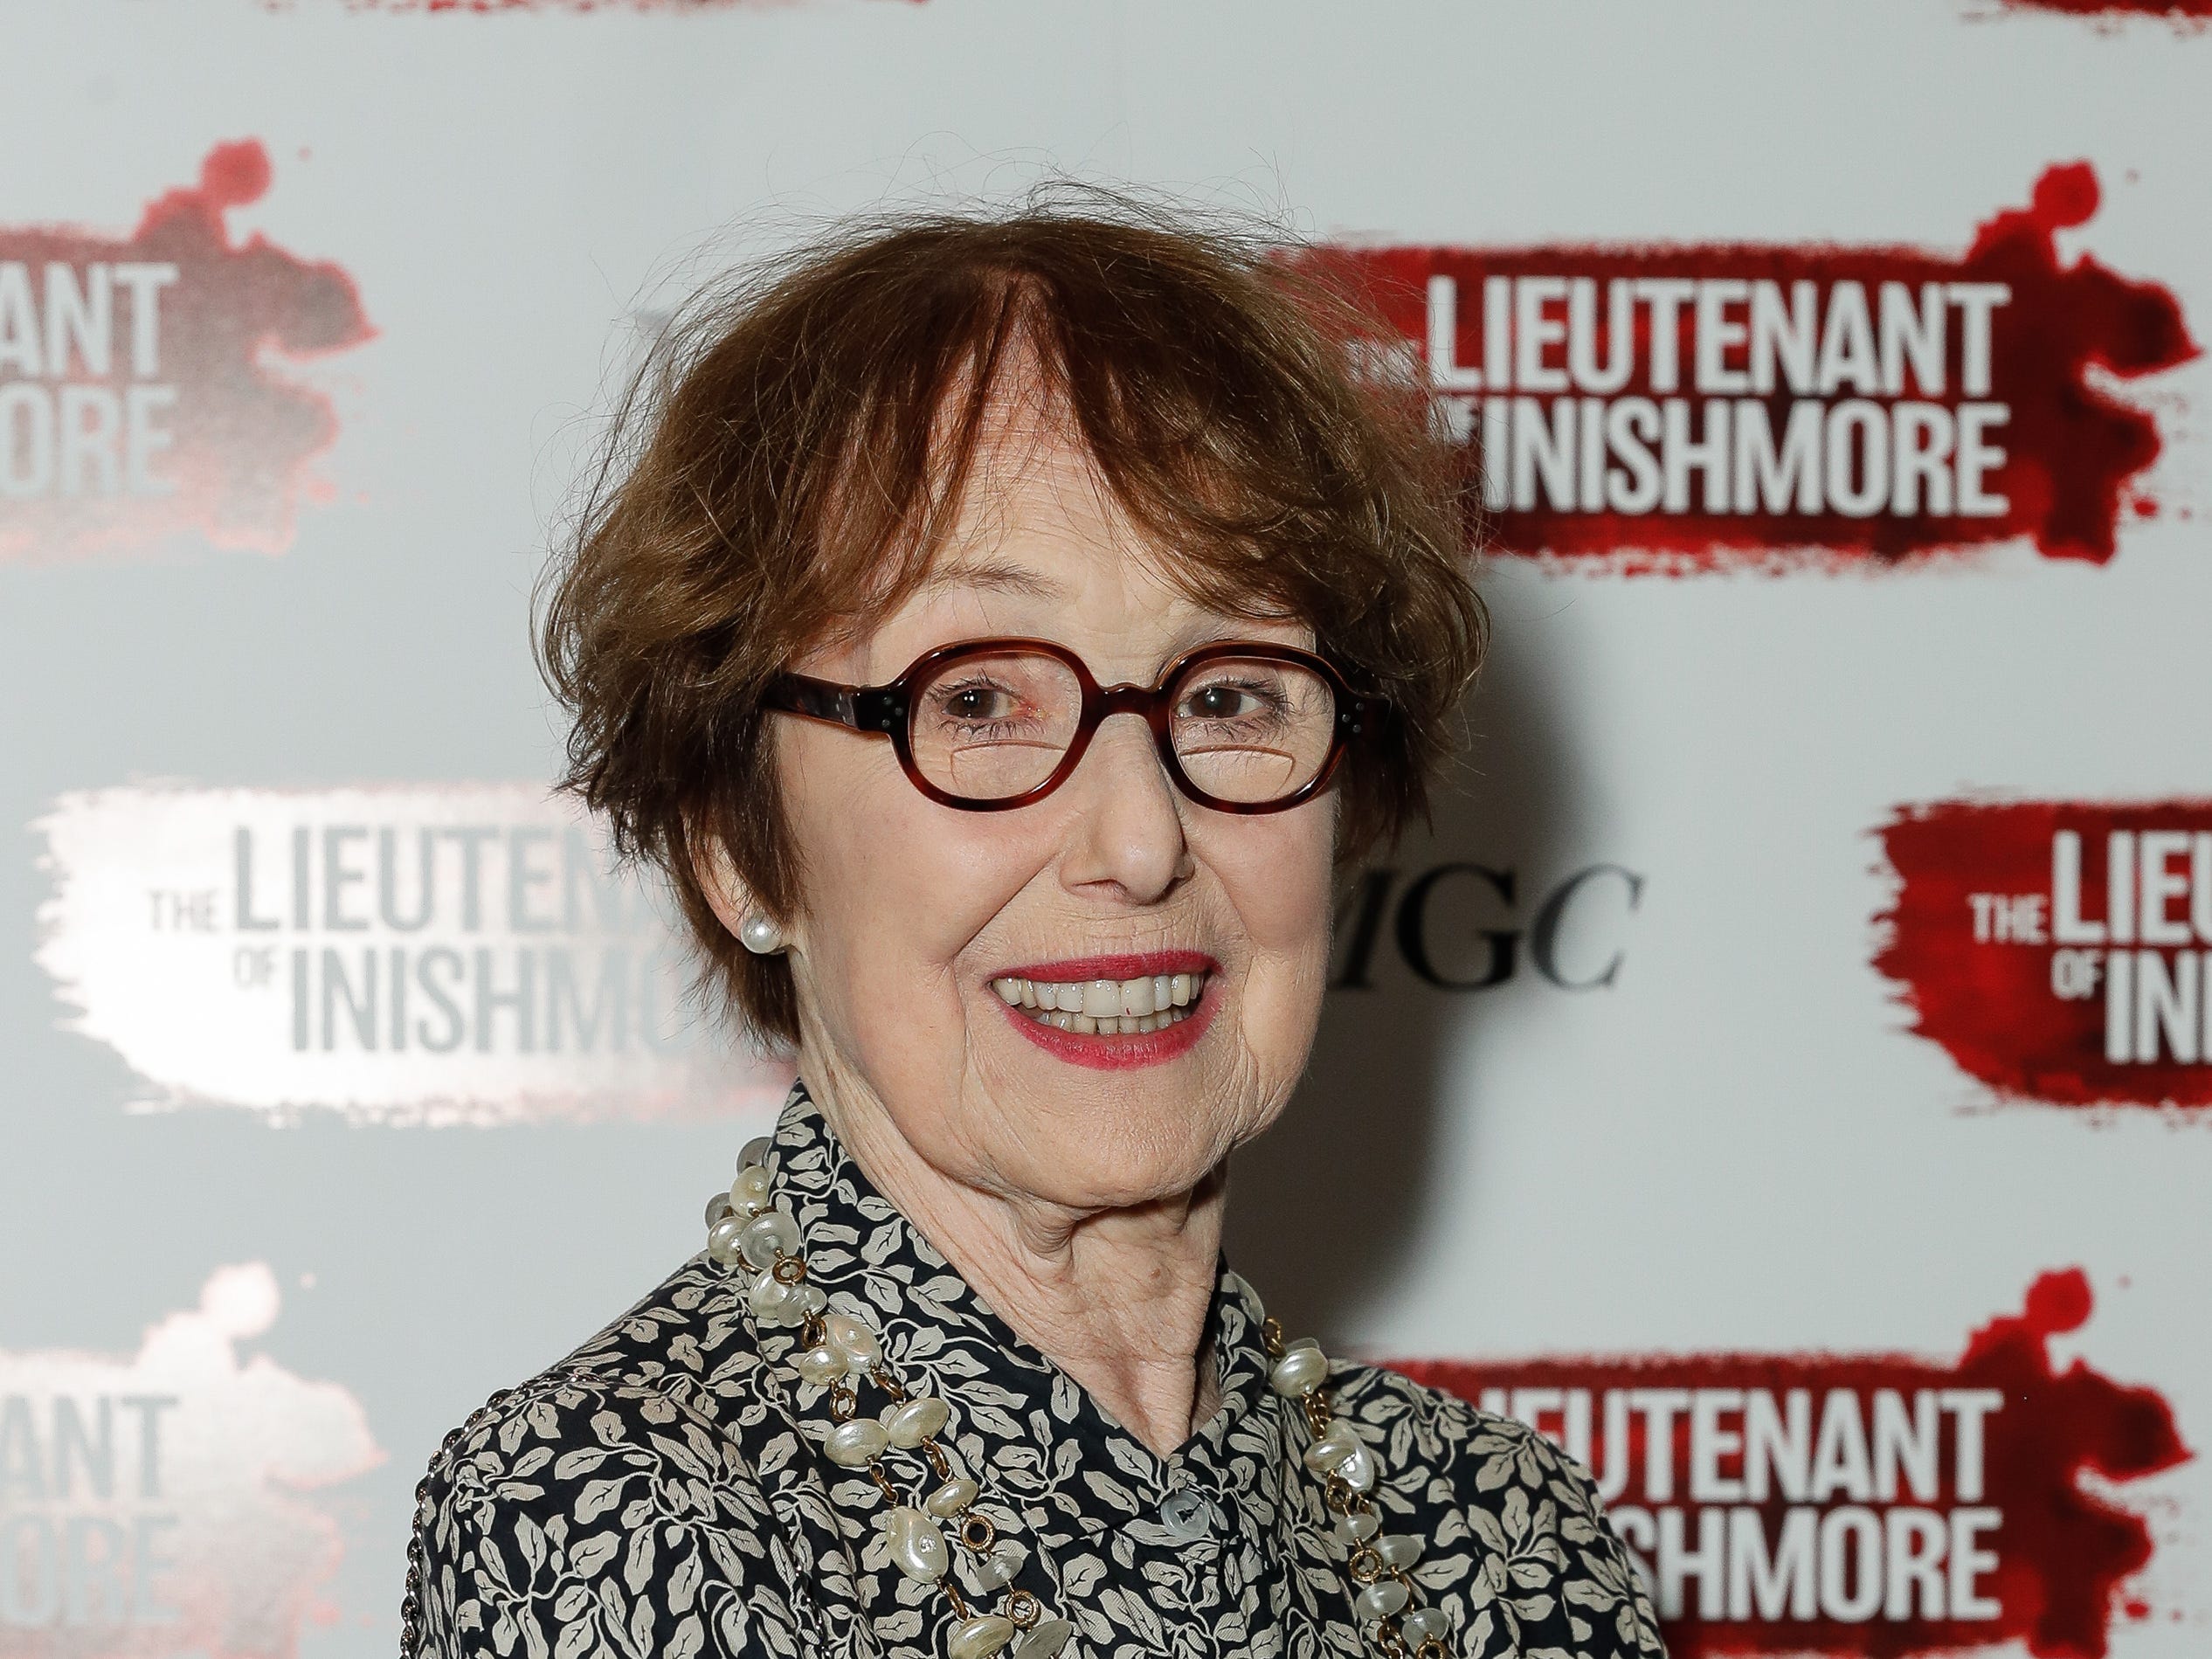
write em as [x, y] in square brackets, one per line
[728, 895]
[732, 900]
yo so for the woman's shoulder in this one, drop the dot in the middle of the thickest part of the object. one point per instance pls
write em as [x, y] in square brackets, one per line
[674, 1365]
[1523, 1516]
[1453, 1439]
[1391, 1393]
[682, 1351]
[561, 1478]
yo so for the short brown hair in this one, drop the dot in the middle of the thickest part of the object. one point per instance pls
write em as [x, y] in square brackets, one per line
[782, 470]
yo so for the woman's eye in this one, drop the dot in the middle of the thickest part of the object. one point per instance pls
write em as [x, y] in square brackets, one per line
[1223, 702]
[977, 704]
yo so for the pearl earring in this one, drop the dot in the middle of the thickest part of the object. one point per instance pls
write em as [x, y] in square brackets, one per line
[760, 935]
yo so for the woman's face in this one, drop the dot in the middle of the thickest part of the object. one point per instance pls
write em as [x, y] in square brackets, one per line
[919, 920]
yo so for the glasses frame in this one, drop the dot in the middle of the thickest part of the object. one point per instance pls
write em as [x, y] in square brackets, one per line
[888, 710]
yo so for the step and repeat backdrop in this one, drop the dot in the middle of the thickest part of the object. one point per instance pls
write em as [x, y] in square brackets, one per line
[1783, 1073]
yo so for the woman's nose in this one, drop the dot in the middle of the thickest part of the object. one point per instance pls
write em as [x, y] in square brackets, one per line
[1126, 831]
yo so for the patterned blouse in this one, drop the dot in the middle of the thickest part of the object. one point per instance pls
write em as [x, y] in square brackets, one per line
[662, 1493]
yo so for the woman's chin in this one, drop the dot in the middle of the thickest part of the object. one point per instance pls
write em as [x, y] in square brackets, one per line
[1118, 1171]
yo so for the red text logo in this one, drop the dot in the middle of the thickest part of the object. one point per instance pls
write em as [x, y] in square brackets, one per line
[136, 399]
[1683, 407]
[1862, 1504]
[157, 1504]
[2059, 951]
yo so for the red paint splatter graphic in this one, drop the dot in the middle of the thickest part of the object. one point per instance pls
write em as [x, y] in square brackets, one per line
[2174, 9]
[136, 402]
[1875, 1503]
[154, 1505]
[2059, 951]
[1682, 408]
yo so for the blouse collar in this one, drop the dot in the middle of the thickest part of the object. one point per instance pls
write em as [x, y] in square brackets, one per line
[857, 1246]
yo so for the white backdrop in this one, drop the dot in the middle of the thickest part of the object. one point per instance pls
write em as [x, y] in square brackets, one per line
[251, 1268]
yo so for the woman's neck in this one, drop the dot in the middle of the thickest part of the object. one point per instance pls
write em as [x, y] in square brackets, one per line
[1119, 1299]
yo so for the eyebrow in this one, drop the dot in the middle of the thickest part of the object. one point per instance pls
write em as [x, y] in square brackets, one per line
[993, 576]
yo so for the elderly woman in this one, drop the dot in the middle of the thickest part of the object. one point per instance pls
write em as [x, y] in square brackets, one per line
[1001, 631]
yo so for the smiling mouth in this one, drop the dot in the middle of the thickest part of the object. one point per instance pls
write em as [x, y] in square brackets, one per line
[1103, 1007]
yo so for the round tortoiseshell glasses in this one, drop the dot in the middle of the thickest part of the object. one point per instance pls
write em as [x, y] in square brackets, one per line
[989, 724]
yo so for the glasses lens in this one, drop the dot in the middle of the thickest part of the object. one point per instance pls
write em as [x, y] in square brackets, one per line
[1251, 731]
[992, 727]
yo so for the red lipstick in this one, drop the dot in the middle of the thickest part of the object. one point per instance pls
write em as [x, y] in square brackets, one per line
[1126, 966]
[1118, 1051]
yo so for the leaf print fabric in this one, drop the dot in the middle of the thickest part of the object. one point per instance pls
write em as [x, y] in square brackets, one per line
[662, 1493]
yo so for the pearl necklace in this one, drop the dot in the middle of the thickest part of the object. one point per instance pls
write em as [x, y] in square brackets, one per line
[836, 1351]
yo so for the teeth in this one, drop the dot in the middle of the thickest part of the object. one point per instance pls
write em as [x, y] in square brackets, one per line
[1123, 1007]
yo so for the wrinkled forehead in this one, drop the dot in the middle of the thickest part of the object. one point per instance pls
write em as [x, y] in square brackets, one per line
[1022, 510]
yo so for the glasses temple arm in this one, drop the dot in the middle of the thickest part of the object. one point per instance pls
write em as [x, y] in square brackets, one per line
[801, 694]
[861, 707]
